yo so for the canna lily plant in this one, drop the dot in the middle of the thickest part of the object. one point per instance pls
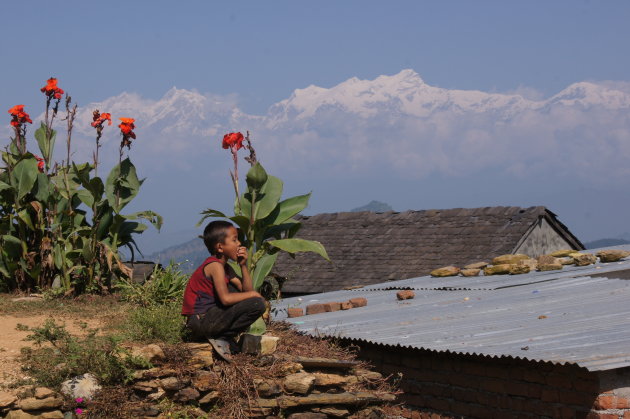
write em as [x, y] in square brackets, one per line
[266, 223]
[60, 223]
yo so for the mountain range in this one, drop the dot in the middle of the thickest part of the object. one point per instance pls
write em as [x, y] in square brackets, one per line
[382, 133]
[399, 120]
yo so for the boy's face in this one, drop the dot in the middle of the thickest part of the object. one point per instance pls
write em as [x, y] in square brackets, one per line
[230, 244]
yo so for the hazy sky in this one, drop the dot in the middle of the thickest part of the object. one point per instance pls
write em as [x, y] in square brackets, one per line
[257, 53]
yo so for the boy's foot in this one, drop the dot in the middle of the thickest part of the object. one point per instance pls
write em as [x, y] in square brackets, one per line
[222, 348]
[234, 347]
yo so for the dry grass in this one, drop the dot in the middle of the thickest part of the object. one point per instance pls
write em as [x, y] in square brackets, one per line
[106, 307]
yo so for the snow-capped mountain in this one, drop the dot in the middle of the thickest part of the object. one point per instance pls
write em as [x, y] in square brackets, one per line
[398, 121]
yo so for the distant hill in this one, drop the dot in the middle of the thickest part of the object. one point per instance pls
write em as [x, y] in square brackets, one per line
[189, 254]
[374, 206]
[605, 243]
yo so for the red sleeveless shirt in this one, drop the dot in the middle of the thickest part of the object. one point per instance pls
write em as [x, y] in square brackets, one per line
[199, 295]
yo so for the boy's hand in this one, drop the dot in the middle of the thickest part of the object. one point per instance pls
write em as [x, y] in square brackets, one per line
[241, 256]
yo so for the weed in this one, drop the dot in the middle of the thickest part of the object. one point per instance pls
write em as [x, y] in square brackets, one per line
[69, 356]
[155, 323]
[165, 286]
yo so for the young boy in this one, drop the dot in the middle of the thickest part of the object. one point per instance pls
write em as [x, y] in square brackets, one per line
[217, 303]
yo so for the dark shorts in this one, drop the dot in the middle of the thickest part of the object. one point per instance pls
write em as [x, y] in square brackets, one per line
[226, 321]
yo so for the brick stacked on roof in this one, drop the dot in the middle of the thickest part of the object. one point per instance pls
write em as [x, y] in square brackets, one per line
[368, 248]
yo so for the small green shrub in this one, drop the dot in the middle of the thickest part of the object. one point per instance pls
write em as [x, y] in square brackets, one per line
[70, 355]
[155, 323]
[165, 286]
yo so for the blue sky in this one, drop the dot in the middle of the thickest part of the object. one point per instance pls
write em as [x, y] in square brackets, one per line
[257, 53]
[264, 50]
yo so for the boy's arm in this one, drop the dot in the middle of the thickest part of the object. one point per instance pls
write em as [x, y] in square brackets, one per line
[227, 298]
[246, 280]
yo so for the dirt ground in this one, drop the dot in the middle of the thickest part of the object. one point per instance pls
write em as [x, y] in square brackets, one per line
[11, 340]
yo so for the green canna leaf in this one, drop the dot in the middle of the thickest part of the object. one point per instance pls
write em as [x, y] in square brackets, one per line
[24, 176]
[287, 209]
[300, 245]
[262, 269]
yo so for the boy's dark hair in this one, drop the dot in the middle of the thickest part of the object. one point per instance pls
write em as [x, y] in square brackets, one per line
[215, 233]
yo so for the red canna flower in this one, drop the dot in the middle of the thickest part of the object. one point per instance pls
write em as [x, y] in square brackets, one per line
[40, 163]
[51, 89]
[100, 118]
[19, 116]
[233, 140]
[126, 129]
[127, 126]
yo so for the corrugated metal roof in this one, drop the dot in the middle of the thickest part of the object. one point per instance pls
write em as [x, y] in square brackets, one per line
[559, 316]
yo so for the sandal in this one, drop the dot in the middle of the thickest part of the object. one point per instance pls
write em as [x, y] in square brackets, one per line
[222, 348]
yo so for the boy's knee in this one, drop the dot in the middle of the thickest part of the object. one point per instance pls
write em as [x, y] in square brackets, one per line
[258, 305]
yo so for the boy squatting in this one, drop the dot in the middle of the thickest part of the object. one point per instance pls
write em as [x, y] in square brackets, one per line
[217, 303]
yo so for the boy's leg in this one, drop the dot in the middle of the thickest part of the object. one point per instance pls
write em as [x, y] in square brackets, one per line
[227, 322]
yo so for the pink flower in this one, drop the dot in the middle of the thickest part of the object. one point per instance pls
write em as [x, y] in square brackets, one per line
[78, 410]
[79, 400]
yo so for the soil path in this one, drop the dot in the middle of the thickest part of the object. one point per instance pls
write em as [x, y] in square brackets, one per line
[12, 340]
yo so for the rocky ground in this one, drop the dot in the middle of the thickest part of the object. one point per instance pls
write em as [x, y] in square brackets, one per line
[295, 377]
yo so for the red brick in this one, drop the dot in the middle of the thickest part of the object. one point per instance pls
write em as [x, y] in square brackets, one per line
[534, 391]
[439, 364]
[413, 361]
[463, 380]
[623, 403]
[392, 358]
[388, 369]
[541, 409]
[358, 302]
[533, 376]
[504, 402]
[605, 402]
[405, 295]
[464, 395]
[597, 415]
[559, 380]
[549, 395]
[460, 408]
[626, 415]
[346, 305]
[438, 404]
[588, 386]
[577, 398]
[516, 374]
[332, 306]
[474, 368]
[497, 372]
[295, 312]
[563, 412]
[477, 411]
[487, 399]
[437, 390]
[414, 399]
[315, 309]
[495, 386]
[517, 389]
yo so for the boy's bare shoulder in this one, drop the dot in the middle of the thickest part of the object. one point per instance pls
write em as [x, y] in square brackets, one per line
[214, 268]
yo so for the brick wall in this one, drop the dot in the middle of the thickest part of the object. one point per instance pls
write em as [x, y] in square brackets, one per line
[443, 385]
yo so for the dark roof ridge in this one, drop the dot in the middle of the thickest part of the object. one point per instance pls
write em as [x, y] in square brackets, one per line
[540, 209]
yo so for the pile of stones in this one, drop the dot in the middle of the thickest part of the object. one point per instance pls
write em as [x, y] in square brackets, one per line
[520, 264]
[36, 402]
[300, 388]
